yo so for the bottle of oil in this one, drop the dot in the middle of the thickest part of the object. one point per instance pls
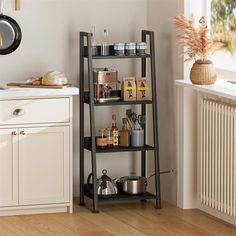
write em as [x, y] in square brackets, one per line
[94, 42]
[124, 135]
[114, 130]
[105, 44]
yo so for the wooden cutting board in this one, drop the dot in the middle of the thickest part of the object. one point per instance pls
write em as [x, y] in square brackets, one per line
[25, 85]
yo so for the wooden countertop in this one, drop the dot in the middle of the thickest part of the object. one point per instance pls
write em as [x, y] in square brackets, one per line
[15, 92]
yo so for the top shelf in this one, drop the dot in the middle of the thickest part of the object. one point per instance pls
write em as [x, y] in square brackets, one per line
[119, 57]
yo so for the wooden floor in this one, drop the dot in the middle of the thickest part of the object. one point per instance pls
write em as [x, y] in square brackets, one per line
[129, 218]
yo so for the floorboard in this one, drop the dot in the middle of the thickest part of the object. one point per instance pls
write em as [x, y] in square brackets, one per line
[117, 218]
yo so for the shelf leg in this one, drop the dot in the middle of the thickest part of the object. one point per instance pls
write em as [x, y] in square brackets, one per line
[143, 111]
[92, 125]
[154, 110]
[81, 84]
[155, 123]
[143, 153]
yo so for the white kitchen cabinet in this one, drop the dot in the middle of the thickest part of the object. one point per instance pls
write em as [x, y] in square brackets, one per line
[8, 168]
[36, 151]
[44, 165]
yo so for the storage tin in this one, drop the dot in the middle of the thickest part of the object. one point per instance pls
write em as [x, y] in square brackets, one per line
[130, 49]
[119, 49]
[141, 48]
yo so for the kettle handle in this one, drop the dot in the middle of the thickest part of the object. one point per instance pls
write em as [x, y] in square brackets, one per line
[89, 178]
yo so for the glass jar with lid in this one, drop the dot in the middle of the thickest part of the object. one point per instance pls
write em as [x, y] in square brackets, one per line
[101, 140]
[130, 49]
[141, 48]
[119, 49]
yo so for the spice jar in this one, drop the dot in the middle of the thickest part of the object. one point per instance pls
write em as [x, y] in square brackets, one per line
[130, 49]
[119, 49]
[109, 136]
[141, 48]
[101, 140]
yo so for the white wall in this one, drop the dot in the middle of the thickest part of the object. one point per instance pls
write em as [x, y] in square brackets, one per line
[50, 41]
[167, 61]
[187, 126]
[50, 32]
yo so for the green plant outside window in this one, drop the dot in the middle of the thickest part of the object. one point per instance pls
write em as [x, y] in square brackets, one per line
[223, 23]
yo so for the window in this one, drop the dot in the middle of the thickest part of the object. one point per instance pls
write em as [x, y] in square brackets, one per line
[221, 16]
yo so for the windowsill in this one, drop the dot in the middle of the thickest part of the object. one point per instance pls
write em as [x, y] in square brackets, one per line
[221, 88]
[226, 74]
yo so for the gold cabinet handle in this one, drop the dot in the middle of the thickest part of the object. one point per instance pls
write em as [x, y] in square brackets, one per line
[14, 133]
[22, 132]
[19, 112]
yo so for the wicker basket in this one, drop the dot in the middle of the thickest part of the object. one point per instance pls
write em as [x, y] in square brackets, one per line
[203, 72]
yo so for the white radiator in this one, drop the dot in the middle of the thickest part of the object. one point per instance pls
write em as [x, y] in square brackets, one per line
[218, 156]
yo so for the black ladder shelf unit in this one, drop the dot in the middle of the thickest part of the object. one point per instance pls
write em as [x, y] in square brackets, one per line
[89, 143]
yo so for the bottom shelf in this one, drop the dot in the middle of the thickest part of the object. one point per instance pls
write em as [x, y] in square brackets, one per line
[88, 192]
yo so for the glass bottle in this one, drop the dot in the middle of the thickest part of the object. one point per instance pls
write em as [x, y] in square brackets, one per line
[105, 44]
[115, 133]
[94, 42]
[124, 134]
[109, 137]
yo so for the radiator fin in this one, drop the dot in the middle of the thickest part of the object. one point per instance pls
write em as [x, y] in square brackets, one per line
[218, 156]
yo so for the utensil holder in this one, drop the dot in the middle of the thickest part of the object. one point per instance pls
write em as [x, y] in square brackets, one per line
[137, 138]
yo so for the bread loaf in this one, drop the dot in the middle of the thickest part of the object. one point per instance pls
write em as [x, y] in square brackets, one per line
[54, 78]
[36, 80]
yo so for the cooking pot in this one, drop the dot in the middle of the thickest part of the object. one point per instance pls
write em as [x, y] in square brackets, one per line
[10, 33]
[132, 184]
[105, 185]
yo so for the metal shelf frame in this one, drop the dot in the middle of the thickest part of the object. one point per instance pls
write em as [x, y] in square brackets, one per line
[89, 143]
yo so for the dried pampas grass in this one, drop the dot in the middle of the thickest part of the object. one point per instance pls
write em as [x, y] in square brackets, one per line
[196, 41]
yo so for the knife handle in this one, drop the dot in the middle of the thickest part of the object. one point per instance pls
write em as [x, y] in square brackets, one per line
[17, 5]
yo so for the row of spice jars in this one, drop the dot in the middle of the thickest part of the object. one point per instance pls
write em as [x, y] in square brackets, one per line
[130, 49]
[110, 137]
[134, 138]
[105, 139]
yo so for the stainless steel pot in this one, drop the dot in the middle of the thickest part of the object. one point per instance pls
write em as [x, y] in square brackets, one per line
[132, 184]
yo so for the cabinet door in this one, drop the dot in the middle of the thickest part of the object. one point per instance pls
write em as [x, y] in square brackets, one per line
[44, 165]
[8, 167]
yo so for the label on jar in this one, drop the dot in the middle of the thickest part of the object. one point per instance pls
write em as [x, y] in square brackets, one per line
[142, 45]
[101, 142]
[119, 46]
[130, 46]
[109, 141]
[115, 137]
